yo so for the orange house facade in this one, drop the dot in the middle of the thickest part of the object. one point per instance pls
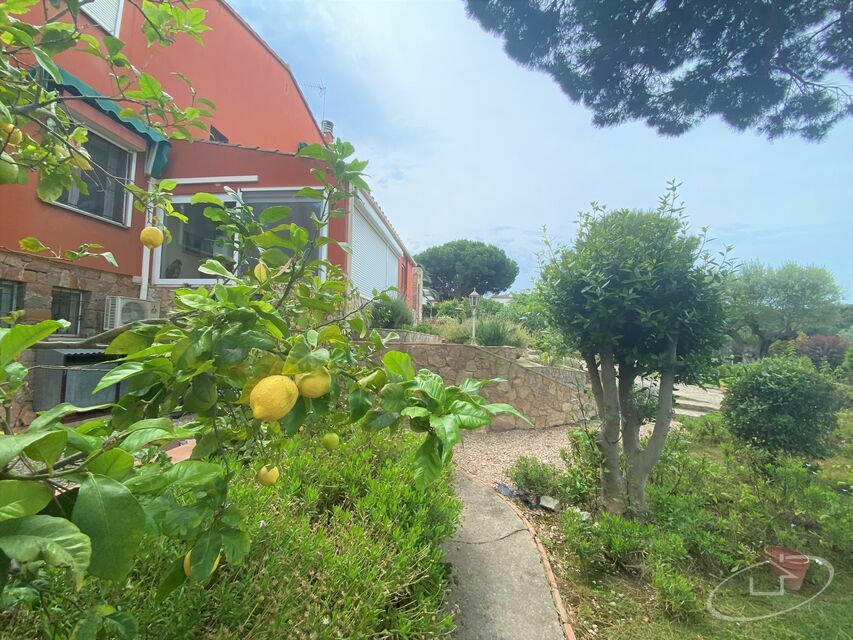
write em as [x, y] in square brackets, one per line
[260, 122]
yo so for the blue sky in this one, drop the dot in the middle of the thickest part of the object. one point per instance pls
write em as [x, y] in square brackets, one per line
[464, 143]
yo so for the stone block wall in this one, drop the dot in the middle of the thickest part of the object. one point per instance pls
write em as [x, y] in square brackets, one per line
[547, 402]
[412, 336]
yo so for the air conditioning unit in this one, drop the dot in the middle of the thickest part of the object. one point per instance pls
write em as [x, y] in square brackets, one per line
[121, 311]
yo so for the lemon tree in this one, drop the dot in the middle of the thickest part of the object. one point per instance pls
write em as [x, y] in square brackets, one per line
[278, 345]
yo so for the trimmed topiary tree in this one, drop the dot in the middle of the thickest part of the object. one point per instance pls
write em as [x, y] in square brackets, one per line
[782, 405]
[636, 295]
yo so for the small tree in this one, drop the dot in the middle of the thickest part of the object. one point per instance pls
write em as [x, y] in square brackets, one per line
[457, 267]
[768, 304]
[636, 295]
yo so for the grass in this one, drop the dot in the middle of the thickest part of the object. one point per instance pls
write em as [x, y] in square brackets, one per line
[621, 608]
[720, 514]
[344, 546]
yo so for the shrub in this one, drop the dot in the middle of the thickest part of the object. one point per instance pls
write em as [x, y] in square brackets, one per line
[647, 402]
[709, 428]
[782, 404]
[709, 518]
[820, 349]
[534, 477]
[493, 331]
[341, 547]
[390, 313]
[423, 327]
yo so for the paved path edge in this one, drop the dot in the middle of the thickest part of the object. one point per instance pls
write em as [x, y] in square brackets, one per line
[565, 621]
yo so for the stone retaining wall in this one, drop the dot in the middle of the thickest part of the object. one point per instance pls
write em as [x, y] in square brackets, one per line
[545, 401]
[412, 336]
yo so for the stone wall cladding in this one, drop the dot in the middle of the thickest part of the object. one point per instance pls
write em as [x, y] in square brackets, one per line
[39, 276]
[412, 336]
[545, 401]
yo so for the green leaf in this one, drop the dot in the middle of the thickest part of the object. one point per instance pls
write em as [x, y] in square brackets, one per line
[399, 364]
[48, 448]
[31, 244]
[113, 45]
[23, 336]
[146, 431]
[108, 513]
[415, 412]
[235, 544]
[194, 473]
[500, 407]
[173, 579]
[393, 397]
[128, 342]
[427, 462]
[115, 464]
[20, 498]
[121, 372]
[12, 446]
[469, 415]
[206, 198]
[359, 403]
[302, 359]
[274, 214]
[47, 63]
[215, 268]
[123, 624]
[446, 429]
[432, 385]
[55, 540]
[376, 419]
[48, 418]
[204, 554]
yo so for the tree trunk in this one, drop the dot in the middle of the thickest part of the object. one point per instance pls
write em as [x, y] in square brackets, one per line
[639, 465]
[608, 438]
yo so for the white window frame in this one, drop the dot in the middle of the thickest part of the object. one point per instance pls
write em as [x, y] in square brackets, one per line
[158, 253]
[128, 201]
[113, 29]
[324, 232]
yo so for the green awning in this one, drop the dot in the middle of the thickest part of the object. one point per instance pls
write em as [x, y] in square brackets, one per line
[158, 144]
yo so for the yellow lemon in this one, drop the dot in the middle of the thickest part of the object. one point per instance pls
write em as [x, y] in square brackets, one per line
[261, 272]
[331, 441]
[188, 569]
[151, 237]
[273, 397]
[267, 475]
[314, 384]
[8, 169]
[11, 134]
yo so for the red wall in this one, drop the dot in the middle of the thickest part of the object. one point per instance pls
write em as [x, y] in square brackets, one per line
[258, 104]
[257, 99]
[23, 214]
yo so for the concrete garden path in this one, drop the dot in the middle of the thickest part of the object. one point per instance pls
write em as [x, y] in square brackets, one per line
[500, 588]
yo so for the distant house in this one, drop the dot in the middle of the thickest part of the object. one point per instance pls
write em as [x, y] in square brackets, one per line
[503, 298]
[261, 120]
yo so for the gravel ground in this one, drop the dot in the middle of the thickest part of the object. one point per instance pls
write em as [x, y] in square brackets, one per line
[487, 455]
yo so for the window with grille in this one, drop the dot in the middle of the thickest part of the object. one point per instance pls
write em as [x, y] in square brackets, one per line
[67, 304]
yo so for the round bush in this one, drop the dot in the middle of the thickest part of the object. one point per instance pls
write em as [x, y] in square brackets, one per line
[390, 313]
[782, 404]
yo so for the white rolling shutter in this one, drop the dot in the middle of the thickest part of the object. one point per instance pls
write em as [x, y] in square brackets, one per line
[105, 13]
[373, 263]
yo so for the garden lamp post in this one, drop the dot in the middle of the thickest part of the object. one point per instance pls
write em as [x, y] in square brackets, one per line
[474, 299]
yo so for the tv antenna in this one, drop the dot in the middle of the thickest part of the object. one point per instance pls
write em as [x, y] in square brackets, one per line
[321, 89]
